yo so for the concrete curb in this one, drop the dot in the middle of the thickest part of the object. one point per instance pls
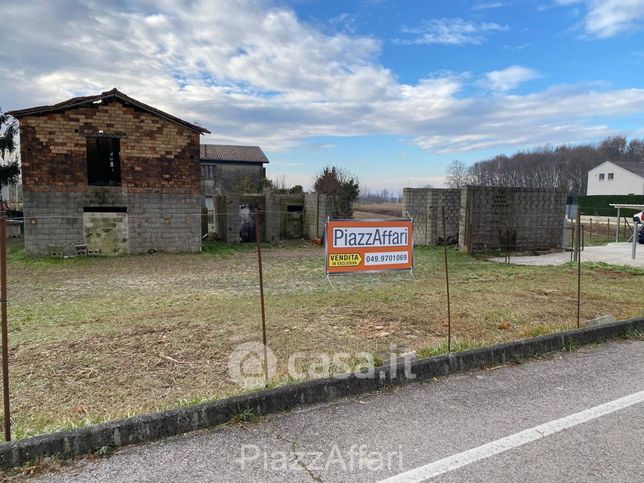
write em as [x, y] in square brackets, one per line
[142, 429]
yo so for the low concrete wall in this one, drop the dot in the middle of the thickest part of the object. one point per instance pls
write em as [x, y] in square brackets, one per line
[142, 429]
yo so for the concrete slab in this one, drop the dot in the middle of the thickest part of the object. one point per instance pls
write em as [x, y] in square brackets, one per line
[613, 253]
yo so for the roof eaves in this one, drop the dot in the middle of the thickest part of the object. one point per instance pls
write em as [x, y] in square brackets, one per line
[79, 101]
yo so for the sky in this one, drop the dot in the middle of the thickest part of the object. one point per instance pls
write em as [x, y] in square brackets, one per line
[393, 91]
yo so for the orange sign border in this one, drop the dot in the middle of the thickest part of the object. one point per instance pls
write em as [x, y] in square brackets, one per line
[363, 251]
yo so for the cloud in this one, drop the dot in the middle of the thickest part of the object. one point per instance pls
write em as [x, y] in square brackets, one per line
[508, 78]
[488, 5]
[450, 31]
[606, 18]
[253, 73]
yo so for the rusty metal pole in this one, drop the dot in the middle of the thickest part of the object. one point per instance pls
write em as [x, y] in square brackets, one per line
[449, 311]
[261, 293]
[5, 331]
[578, 273]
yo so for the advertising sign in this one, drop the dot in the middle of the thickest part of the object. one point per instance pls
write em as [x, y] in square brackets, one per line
[368, 245]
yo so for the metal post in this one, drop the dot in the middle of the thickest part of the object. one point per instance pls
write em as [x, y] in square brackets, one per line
[449, 311]
[583, 238]
[617, 229]
[635, 232]
[5, 331]
[578, 271]
[590, 235]
[261, 293]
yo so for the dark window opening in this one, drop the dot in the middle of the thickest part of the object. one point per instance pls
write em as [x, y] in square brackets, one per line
[104, 209]
[294, 208]
[611, 176]
[601, 176]
[103, 161]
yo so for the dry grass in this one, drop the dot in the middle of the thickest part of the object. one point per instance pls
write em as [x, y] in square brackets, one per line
[94, 339]
[387, 209]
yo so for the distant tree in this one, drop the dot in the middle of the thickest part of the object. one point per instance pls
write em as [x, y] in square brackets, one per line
[613, 148]
[565, 167]
[342, 186]
[458, 175]
[9, 168]
[298, 188]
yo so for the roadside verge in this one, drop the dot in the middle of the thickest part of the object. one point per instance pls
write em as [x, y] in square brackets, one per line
[146, 428]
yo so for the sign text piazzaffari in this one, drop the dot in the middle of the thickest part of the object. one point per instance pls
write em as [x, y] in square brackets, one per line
[368, 245]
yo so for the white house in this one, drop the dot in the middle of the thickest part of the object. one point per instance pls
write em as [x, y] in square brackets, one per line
[616, 178]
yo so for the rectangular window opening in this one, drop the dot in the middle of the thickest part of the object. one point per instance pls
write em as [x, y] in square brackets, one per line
[611, 176]
[601, 176]
[104, 209]
[103, 161]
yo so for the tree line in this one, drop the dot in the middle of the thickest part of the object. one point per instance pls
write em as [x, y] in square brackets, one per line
[565, 166]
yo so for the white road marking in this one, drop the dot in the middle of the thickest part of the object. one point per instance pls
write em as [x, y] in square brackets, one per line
[473, 455]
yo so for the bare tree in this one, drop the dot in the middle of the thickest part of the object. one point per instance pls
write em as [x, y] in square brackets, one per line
[458, 175]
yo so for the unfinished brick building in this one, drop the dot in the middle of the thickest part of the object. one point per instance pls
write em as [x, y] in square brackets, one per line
[110, 175]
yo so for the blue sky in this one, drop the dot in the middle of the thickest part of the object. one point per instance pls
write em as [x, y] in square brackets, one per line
[391, 90]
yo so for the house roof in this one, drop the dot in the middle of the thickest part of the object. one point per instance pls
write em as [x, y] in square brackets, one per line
[107, 95]
[236, 154]
[637, 168]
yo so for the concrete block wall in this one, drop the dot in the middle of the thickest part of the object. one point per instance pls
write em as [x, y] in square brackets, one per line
[227, 226]
[317, 207]
[53, 219]
[164, 222]
[271, 218]
[494, 218]
[155, 222]
[425, 206]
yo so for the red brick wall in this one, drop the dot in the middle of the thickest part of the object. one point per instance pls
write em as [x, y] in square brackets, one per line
[156, 155]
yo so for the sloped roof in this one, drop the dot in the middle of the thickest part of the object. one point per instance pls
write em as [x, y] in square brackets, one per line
[113, 94]
[637, 168]
[237, 154]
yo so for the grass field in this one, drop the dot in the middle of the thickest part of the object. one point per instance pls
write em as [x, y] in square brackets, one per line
[387, 209]
[99, 338]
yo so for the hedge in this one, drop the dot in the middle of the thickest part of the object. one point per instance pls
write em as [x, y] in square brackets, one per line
[599, 205]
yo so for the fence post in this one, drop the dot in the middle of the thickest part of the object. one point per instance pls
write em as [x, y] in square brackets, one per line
[449, 311]
[579, 269]
[261, 292]
[5, 330]
[635, 234]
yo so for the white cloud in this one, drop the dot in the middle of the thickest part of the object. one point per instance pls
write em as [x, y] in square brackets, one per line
[606, 18]
[450, 31]
[254, 73]
[508, 78]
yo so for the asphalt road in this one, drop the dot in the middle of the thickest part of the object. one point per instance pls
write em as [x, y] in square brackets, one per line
[570, 416]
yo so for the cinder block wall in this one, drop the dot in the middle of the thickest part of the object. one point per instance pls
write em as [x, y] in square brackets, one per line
[517, 218]
[425, 206]
[317, 208]
[160, 178]
[155, 222]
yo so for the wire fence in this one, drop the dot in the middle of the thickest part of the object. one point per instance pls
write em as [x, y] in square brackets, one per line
[103, 338]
